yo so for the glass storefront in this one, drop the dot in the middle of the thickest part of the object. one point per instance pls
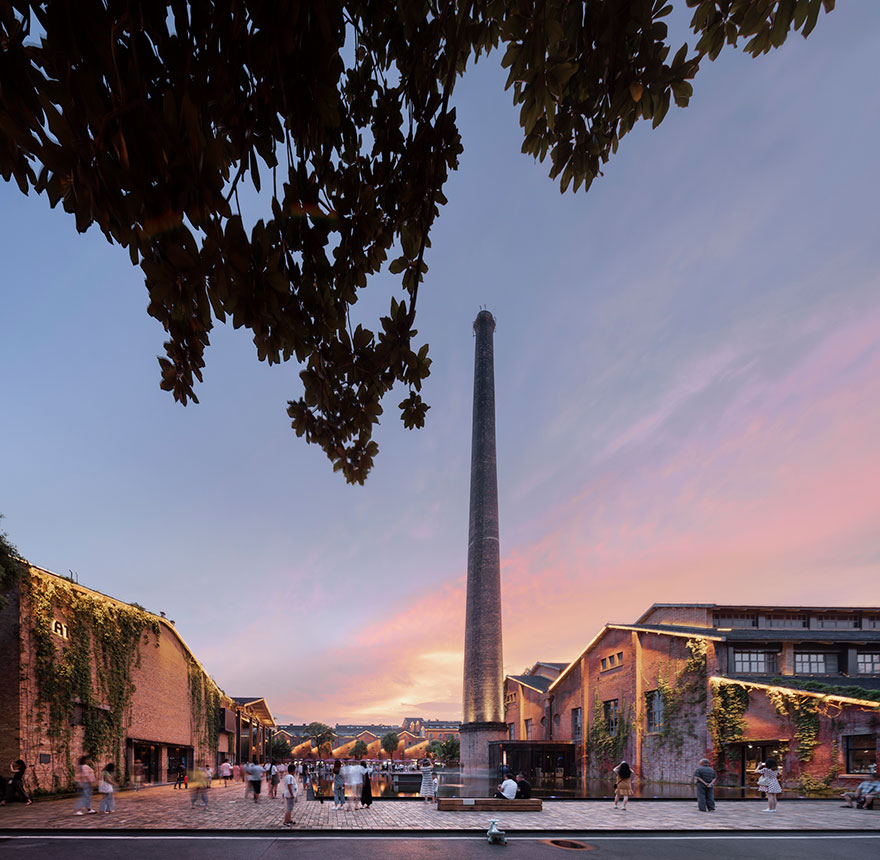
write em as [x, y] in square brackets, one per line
[145, 761]
[176, 757]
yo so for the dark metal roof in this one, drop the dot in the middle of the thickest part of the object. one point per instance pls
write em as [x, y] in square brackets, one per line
[796, 682]
[799, 634]
[539, 682]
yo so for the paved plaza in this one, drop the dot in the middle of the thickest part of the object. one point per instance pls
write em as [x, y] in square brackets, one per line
[228, 809]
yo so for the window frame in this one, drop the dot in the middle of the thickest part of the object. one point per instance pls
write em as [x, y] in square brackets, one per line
[854, 743]
[653, 711]
[611, 715]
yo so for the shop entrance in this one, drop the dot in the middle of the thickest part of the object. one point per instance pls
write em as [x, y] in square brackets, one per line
[145, 758]
[178, 756]
[751, 755]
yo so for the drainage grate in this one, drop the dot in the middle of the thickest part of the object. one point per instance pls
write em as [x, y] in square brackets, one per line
[568, 843]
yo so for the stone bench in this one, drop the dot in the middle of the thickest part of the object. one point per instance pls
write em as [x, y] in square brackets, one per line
[488, 804]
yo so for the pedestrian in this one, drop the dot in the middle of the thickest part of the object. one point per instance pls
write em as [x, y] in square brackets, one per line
[255, 779]
[209, 773]
[138, 775]
[274, 779]
[623, 783]
[15, 790]
[523, 787]
[85, 781]
[288, 794]
[106, 787]
[181, 776]
[226, 771]
[355, 781]
[768, 782]
[705, 778]
[200, 786]
[366, 788]
[426, 789]
[338, 786]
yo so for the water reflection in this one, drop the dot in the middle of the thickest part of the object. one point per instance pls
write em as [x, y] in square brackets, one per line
[406, 784]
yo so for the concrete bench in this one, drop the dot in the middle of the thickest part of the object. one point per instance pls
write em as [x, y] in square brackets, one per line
[488, 804]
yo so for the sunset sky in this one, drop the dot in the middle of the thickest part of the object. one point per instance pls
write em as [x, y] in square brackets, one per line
[687, 387]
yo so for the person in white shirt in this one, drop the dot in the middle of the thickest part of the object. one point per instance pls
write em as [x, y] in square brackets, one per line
[507, 789]
[226, 772]
[355, 780]
[288, 793]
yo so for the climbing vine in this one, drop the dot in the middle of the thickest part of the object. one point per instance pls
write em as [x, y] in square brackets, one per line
[603, 746]
[802, 713]
[727, 718]
[680, 693]
[205, 700]
[88, 674]
[11, 567]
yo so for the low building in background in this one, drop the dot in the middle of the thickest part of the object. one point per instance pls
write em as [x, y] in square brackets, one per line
[738, 684]
[85, 673]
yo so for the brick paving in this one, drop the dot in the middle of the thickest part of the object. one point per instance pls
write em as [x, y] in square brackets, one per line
[167, 808]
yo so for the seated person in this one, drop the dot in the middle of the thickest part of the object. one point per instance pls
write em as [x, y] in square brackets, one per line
[858, 797]
[507, 789]
[523, 787]
[870, 796]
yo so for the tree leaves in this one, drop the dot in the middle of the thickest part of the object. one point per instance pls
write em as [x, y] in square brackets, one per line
[144, 118]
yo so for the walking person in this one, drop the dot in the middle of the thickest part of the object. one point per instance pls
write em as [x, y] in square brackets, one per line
[85, 781]
[226, 771]
[181, 776]
[768, 782]
[106, 787]
[338, 786]
[255, 779]
[288, 794]
[200, 786]
[274, 779]
[426, 789]
[623, 784]
[367, 787]
[355, 783]
[704, 779]
[15, 790]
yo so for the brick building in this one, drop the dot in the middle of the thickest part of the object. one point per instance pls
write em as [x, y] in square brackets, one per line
[84, 672]
[734, 683]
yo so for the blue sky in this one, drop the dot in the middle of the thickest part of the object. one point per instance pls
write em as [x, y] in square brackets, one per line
[687, 389]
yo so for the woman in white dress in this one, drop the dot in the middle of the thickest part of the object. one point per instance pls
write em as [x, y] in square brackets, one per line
[768, 782]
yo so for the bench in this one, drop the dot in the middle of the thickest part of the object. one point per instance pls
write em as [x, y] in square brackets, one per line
[488, 804]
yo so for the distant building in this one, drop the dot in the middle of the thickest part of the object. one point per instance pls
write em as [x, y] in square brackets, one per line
[85, 673]
[734, 683]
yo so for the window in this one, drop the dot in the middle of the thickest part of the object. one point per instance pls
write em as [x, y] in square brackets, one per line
[869, 664]
[815, 664]
[511, 731]
[610, 711]
[786, 621]
[837, 622]
[510, 698]
[754, 662]
[611, 660]
[654, 710]
[871, 622]
[528, 730]
[604, 664]
[577, 724]
[620, 658]
[861, 754]
[735, 619]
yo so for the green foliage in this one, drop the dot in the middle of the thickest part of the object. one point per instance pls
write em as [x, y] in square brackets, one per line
[603, 748]
[359, 749]
[450, 749]
[205, 702]
[849, 690]
[802, 712]
[104, 636]
[320, 734]
[144, 118]
[681, 695]
[11, 567]
[435, 749]
[390, 742]
[727, 718]
[280, 750]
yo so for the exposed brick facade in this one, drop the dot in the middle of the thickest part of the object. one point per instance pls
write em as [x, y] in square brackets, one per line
[161, 709]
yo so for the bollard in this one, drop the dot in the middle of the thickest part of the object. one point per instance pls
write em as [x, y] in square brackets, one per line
[496, 836]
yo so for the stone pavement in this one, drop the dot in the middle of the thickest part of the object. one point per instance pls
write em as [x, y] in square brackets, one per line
[228, 809]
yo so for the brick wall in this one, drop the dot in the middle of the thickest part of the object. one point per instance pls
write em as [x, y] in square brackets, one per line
[9, 680]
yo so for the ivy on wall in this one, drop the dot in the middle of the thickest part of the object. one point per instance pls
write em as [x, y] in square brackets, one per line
[681, 694]
[802, 714]
[90, 671]
[727, 718]
[603, 747]
[205, 700]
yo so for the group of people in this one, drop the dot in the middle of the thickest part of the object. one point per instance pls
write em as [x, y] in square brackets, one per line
[511, 789]
[86, 782]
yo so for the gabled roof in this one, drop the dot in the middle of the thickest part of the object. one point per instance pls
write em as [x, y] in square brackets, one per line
[771, 609]
[558, 666]
[536, 682]
[258, 705]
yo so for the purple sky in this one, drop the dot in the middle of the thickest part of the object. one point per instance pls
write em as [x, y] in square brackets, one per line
[688, 404]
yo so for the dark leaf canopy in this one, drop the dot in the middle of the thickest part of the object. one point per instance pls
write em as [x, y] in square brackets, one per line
[144, 118]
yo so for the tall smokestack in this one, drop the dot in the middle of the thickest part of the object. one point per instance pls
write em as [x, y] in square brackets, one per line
[482, 705]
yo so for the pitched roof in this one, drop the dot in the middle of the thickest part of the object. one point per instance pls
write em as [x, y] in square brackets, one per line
[536, 682]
